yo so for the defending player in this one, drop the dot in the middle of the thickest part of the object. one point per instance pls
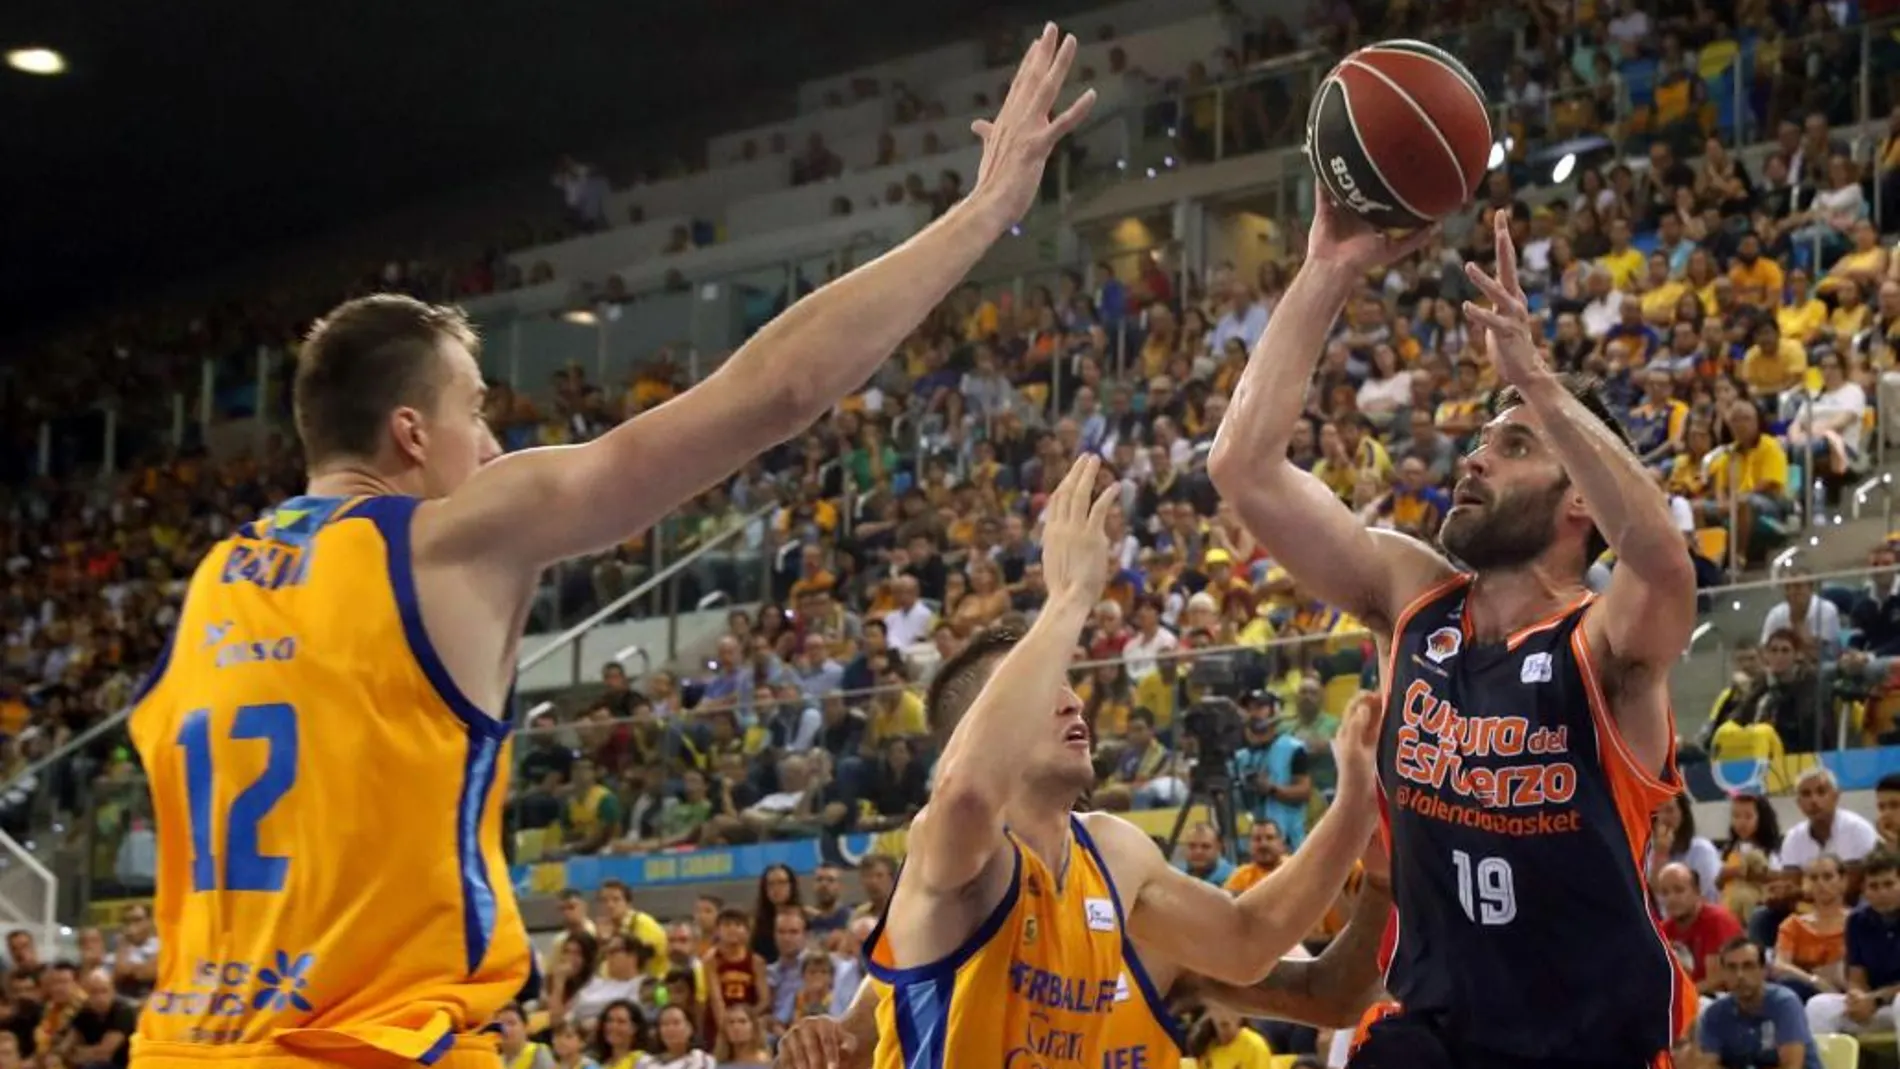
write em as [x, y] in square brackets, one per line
[326, 734]
[1007, 934]
[1329, 991]
[1527, 733]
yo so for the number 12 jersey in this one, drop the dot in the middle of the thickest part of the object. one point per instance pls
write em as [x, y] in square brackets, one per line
[331, 883]
[1519, 824]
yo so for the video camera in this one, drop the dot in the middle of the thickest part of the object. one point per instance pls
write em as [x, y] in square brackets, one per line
[1218, 730]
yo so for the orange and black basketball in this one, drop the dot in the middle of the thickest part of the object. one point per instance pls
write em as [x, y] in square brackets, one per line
[1400, 133]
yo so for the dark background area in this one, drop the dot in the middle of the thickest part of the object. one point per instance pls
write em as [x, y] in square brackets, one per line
[197, 136]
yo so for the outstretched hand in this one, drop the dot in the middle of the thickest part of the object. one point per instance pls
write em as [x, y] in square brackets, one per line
[1340, 236]
[1075, 546]
[1017, 143]
[1512, 342]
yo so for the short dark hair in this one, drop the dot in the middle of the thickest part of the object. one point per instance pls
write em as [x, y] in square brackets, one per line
[1586, 390]
[367, 357]
[1878, 862]
[732, 915]
[878, 861]
[1738, 943]
[960, 679]
[1888, 782]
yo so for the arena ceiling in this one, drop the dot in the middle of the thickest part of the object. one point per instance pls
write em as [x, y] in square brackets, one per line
[188, 135]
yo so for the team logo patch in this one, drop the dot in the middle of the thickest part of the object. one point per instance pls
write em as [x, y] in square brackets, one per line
[1029, 932]
[1442, 644]
[1100, 913]
[1536, 669]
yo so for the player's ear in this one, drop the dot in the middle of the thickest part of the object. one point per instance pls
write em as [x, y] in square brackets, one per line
[407, 430]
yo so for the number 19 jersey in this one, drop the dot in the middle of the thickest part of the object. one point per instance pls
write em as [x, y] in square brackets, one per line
[331, 884]
[1519, 825]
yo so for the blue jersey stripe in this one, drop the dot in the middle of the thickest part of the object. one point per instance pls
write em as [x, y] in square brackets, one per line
[478, 890]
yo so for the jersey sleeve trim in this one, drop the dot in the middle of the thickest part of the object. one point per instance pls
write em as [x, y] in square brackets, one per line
[480, 905]
[951, 962]
[1610, 735]
[1157, 1003]
[394, 518]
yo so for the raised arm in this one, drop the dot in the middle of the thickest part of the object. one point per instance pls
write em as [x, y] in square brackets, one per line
[1642, 623]
[533, 508]
[989, 752]
[1240, 939]
[1320, 542]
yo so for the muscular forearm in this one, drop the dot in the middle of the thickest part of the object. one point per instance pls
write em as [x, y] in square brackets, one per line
[983, 761]
[829, 343]
[1282, 908]
[1629, 510]
[1271, 394]
[1329, 991]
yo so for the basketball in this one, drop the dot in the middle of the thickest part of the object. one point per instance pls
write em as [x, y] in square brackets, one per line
[1399, 133]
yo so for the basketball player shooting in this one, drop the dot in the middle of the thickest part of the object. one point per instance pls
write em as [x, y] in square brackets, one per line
[325, 735]
[1527, 734]
[1009, 938]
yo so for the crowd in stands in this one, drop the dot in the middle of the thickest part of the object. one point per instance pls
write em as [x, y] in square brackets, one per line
[1740, 318]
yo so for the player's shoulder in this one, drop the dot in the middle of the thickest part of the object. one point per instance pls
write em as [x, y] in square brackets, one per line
[1414, 572]
[1126, 849]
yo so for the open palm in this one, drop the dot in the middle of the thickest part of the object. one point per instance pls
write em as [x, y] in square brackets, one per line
[1018, 141]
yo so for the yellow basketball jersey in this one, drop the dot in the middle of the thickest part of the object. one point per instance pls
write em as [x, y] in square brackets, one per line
[1032, 988]
[331, 881]
[1141, 1033]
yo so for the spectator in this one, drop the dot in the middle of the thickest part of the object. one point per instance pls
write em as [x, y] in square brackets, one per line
[1828, 828]
[1266, 848]
[1697, 928]
[621, 1037]
[1817, 619]
[1144, 776]
[1201, 855]
[1811, 947]
[1756, 1023]
[741, 1040]
[100, 1034]
[1873, 957]
[1675, 840]
[1224, 1042]
[1271, 770]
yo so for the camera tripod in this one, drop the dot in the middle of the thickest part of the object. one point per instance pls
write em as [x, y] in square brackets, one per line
[1216, 792]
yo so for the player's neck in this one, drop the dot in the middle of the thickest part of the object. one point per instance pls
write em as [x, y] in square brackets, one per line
[1503, 602]
[353, 480]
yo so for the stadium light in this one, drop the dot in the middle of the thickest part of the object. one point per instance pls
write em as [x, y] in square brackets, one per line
[1560, 173]
[581, 316]
[42, 61]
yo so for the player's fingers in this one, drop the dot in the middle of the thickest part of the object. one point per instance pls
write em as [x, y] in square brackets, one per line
[1104, 502]
[1035, 61]
[1058, 507]
[1083, 494]
[1501, 296]
[1072, 116]
[982, 128]
[1499, 326]
[1507, 256]
[1055, 75]
[828, 1046]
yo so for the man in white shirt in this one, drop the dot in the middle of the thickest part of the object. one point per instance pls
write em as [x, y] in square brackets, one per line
[1244, 318]
[1605, 307]
[1149, 641]
[1829, 829]
[909, 623]
[1803, 613]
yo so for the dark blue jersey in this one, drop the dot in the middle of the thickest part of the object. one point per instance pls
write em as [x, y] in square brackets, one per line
[1519, 823]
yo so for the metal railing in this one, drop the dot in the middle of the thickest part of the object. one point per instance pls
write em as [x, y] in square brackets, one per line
[667, 577]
